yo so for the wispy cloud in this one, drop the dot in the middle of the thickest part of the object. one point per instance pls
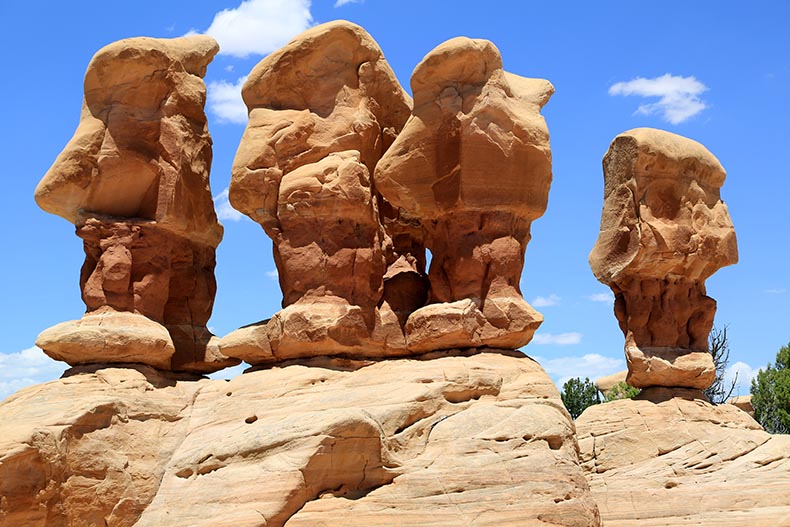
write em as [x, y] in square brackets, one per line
[607, 298]
[679, 97]
[340, 3]
[546, 301]
[26, 367]
[561, 339]
[272, 274]
[258, 27]
[591, 365]
[223, 208]
[224, 101]
[776, 291]
[745, 374]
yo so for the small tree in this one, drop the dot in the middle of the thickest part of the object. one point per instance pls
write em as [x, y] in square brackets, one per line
[719, 348]
[577, 395]
[771, 394]
[621, 390]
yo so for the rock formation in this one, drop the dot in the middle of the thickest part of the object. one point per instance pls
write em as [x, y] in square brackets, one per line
[472, 124]
[446, 440]
[664, 231]
[604, 384]
[669, 458]
[134, 182]
[322, 110]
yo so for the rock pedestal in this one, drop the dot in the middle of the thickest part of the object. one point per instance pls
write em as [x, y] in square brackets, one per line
[473, 165]
[669, 458]
[664, 231]
[322, 111]
[134, 181]
[438, 442]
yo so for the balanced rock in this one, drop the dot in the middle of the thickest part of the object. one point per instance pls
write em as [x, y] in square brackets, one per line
[664, 231]
[669, 458]
[134, 180]
[322, 110]
[604, 384]
[473, 166]
[429, 442]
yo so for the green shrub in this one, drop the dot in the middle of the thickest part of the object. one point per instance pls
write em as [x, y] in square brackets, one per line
[771, 394]
[578, 395]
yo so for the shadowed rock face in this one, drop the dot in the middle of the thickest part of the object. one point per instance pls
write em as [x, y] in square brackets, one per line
[664, 231]
[322, 110]
[134, 180]
[473, 165]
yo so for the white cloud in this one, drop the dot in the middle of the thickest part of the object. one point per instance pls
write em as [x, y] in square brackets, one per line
[546, 301]
[223, 208]
[591, 365]
[561, 339]
[27, 367]
[258, 27]
[607, 298]
[678, 96]
[224, 101]
[776, 291]
[272, 274]
[745, 374]
[340, 3]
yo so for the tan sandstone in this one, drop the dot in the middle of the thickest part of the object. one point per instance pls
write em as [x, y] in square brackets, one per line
[445, 440]
[472, 123]
[664, 231]
[669, 458]
[322, 110]
[134, 180]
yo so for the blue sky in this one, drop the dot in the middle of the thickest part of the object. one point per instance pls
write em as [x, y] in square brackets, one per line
[718, 72]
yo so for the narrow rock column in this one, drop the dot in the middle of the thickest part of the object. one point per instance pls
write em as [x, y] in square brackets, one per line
[664, 231]
[322, 110]
[473, 165]
[134, 180]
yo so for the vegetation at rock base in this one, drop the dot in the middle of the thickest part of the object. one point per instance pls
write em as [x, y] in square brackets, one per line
[578, 395]
[621, 390]
[771, 394]
[719, 347]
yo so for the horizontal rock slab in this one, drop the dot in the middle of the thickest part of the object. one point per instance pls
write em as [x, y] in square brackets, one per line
[110, 337]
[669, 367]
[434, 441]
[669, 458]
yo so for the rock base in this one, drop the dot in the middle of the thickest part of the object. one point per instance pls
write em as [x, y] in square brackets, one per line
[670, 458]
[442, 441]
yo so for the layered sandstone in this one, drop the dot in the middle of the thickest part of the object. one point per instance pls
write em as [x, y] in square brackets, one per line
[472, 123]
[322, 110]
[445, 440]
[664, 231]
[669, 458]
[134, 180]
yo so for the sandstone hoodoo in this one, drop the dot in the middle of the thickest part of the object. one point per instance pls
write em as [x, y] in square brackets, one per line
[134, 180]
[473, 124]
[664, 231]
[322, 110]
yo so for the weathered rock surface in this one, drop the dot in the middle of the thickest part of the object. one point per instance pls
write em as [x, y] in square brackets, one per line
[743, 402]
[664, 231]
[441, 441]
[670, 458]
[472, 123]
[322, 110]
[134, 180]
[604, 384]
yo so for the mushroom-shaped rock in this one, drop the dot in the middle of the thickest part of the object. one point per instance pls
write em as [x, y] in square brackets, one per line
[134, 180]
[473, 165]
[322, 110]
[664, 231]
